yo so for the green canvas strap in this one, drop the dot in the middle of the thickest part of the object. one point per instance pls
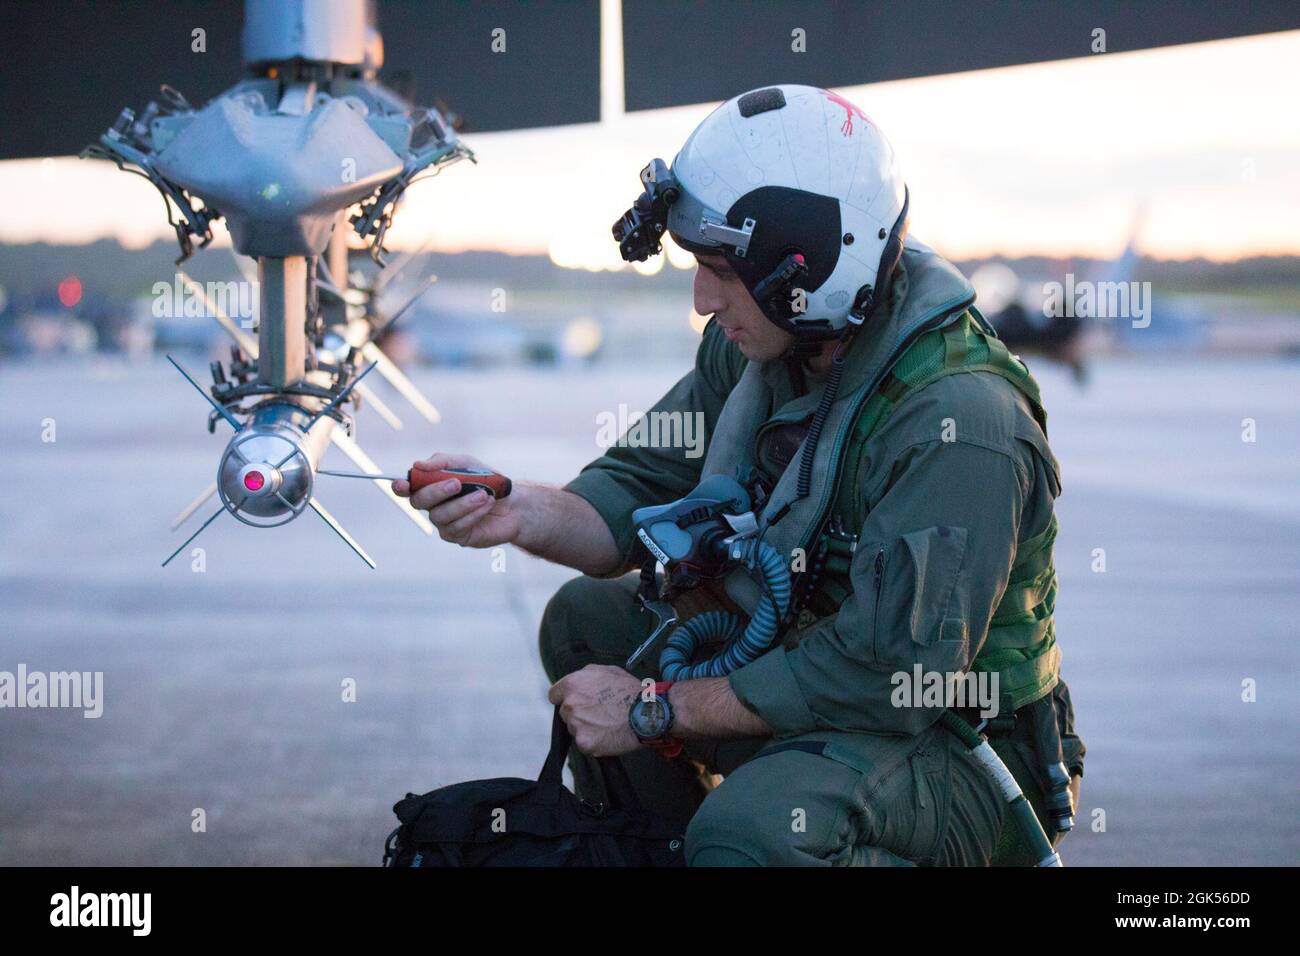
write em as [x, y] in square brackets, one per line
[1031, 588]
[955, 338]
[1023, 675]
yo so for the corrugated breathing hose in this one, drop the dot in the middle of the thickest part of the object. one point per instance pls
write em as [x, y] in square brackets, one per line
[743, 646]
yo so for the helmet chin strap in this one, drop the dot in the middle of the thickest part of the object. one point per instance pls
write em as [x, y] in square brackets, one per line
[806, 347]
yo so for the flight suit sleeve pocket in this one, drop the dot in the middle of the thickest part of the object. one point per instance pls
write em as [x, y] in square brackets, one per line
[914, 612]
[935, 557]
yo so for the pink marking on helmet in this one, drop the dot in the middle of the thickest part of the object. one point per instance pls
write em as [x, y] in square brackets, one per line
[849, 109]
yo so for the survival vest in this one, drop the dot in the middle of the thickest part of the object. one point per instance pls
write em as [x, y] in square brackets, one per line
[935, 331]
[1021, 643]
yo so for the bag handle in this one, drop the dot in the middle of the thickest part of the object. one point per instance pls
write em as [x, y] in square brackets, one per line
[618, 785]
[553, 770]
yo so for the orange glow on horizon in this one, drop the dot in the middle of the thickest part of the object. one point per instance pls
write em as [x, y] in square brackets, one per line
[1044, 159]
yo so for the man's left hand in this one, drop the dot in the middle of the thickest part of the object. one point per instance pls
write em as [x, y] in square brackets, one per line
[594, 704]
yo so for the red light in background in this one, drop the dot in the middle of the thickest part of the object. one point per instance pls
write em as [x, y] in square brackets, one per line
[70, 291]
[254, 481]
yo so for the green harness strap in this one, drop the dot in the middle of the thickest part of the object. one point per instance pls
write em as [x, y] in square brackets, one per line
[1021, 643]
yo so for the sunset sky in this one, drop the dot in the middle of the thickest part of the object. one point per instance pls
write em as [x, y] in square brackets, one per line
[1050, 158]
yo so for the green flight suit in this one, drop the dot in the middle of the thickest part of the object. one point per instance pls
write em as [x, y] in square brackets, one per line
[953, 480]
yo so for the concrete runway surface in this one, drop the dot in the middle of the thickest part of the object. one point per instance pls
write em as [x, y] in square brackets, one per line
[222, 689]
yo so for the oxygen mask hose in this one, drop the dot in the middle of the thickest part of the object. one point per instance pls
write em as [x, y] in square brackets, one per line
[743, 645]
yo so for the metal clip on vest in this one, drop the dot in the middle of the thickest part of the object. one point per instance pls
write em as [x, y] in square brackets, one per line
[1047, 745]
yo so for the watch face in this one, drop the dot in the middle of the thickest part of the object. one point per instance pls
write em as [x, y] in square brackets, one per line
[651, 718]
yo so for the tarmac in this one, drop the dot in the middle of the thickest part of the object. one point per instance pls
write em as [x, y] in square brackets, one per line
[223, 689]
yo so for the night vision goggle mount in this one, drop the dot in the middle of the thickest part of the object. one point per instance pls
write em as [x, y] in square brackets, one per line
[639, 230]
[639, 234]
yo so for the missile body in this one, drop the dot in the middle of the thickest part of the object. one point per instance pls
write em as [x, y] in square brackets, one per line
[266, 473]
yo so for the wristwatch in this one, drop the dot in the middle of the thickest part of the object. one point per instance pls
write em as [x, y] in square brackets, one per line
[651, 720]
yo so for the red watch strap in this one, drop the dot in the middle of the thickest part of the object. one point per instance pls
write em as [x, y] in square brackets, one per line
[667, 746]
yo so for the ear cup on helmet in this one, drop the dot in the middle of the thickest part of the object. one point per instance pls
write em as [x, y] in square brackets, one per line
[810, 226]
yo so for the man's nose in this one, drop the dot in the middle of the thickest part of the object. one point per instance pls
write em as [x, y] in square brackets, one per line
[708, 297]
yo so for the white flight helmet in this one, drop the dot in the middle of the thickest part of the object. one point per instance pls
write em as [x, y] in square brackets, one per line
[800, 191]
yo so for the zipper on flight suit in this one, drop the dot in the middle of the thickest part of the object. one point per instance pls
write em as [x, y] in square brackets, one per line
[875, 613]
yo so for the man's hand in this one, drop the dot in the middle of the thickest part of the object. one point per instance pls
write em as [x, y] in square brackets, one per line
[549, 522]
[594, 704]
[474, 521]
